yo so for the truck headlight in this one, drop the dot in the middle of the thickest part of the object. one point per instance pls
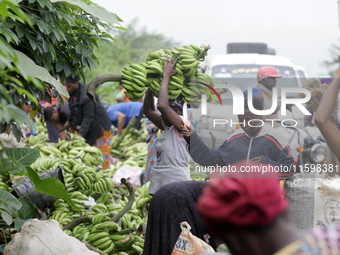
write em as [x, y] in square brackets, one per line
[318, 153]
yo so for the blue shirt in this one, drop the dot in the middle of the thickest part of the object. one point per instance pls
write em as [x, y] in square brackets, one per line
[129, 109]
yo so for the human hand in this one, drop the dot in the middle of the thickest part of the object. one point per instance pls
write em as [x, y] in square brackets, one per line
[67, 125]
[155, 129]
[256, 159]
[186, 131]
[169, 66]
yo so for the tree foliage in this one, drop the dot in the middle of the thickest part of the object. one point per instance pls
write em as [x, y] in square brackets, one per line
[131, 46]
[40, 41]
[333, 64]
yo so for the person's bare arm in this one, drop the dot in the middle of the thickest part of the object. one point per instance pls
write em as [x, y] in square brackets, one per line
[120, 122]
[61, 130]
[149, 110]
[163, 98]
[323, 116]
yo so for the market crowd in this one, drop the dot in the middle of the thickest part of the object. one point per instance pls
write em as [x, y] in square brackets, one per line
[247, 212]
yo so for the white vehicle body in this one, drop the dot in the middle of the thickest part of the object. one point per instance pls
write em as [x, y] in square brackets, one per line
[241, 69]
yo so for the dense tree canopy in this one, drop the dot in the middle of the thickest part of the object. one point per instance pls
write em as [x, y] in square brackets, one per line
[41, 40]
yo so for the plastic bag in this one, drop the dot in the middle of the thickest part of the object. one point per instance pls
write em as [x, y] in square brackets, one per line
[187, 243]
[37, 198]
[45, 238]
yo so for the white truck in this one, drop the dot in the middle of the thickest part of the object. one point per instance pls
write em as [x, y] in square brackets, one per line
[239, 67]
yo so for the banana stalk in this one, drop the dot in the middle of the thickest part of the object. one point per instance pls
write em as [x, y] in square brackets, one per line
[92, 248]
[96, 82]
[131, 199]
[76, 222]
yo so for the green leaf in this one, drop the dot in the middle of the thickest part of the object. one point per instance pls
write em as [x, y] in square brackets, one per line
[19, 31]
[95, 10]
[43, 3]
[26, 65]
[29, 95]
[16, 2]
[7, 200]
[17, 131]
[50, 186]
[24, 156]
[6, 216]
[28, 209]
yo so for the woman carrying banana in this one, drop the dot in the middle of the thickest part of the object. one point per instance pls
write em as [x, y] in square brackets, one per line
[172, 154]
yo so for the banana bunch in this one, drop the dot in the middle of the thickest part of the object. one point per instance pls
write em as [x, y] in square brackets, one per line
[46, 164]
[193, 90]
[36, 140]
[103, 185]
[3, 179]
[41, 128]
[128, 244]
[143, 198]
[150, 74]
[102, 241]
[75, 142]
[62, 212]
[135, 81]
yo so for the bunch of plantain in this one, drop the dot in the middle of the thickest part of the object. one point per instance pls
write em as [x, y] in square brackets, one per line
[187, 82]
[4, 178]
[101, 231]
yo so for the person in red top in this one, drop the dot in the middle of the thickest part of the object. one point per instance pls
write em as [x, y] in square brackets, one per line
[248, 213]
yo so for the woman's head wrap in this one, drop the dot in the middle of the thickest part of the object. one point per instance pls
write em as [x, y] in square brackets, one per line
[242, 200]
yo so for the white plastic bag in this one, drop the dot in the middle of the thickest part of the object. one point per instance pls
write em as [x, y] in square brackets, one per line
[45, 238]
[187, 243]
[128, 172]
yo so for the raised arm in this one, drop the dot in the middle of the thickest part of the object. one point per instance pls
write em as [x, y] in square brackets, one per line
[163, 98]
[149, 110]
[199, 151]
[323, 116]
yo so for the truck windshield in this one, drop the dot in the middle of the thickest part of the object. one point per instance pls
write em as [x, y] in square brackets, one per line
[245, 76]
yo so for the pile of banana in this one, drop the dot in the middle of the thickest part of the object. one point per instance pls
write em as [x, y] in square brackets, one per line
[187, 82]
[38, 140]
[101, 231]
[133, 149]
[52, 155]
[133, 155]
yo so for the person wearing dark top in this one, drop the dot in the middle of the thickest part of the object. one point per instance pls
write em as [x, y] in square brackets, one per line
[88, 120]
[256, 143]
[56, 117]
